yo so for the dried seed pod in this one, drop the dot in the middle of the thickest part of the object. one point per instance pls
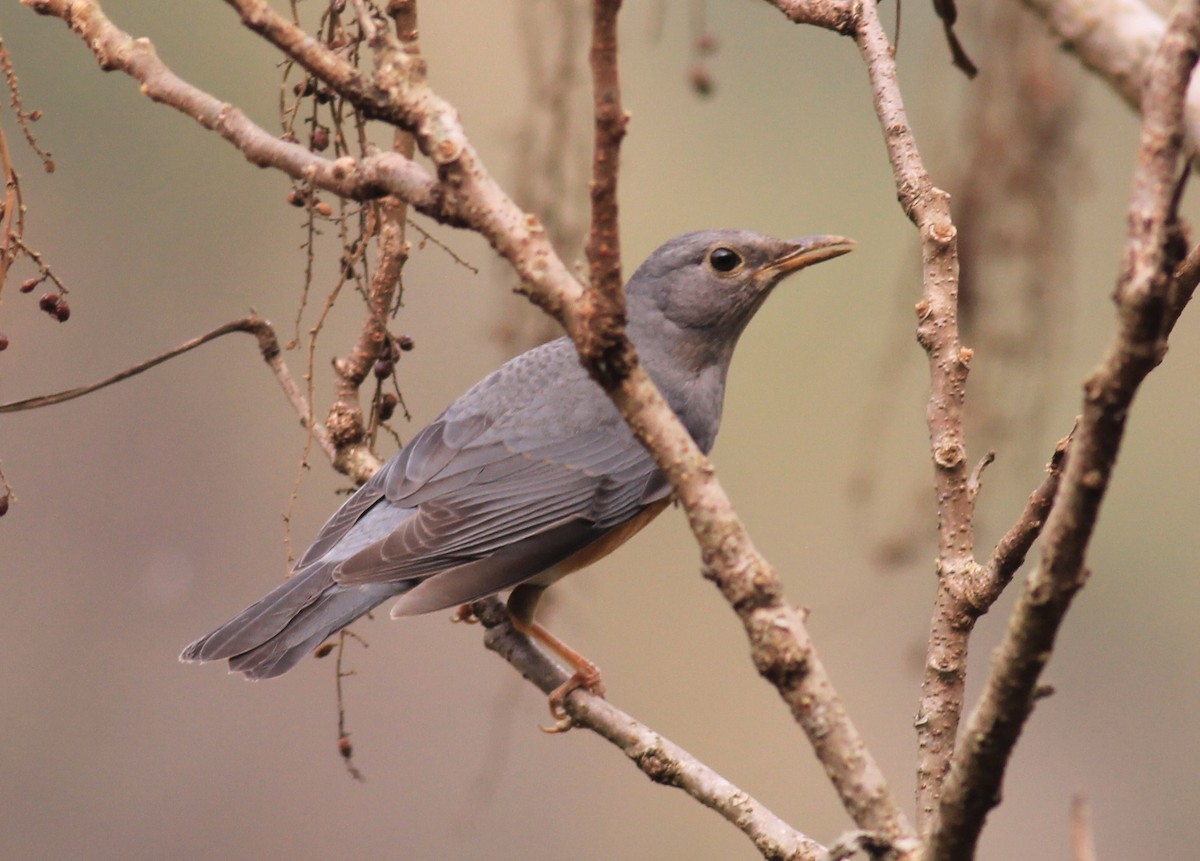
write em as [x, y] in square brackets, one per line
[49, 302]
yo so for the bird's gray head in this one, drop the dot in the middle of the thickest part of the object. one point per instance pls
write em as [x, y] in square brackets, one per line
[701, 289]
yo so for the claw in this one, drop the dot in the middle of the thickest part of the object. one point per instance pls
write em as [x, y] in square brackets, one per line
[586, 677]
[465, 614]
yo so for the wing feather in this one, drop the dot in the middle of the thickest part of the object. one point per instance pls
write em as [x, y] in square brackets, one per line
[511, 460]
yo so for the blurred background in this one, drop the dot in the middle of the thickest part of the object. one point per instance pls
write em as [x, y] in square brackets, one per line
[152, 511]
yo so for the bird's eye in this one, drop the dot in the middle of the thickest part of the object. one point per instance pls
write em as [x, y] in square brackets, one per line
[724, 259]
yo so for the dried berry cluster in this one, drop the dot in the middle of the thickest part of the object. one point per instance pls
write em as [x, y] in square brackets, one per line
[53, 303]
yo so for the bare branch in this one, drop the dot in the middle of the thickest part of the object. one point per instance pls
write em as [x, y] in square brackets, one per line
[1010, 551]
[374, 350]
[369, 177]
[1143, 297]
[937, 331]
[658, 758]
[836, 15]
[607, 353]
[268, 345]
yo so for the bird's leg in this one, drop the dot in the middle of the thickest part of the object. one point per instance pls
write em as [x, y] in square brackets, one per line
[586, 675]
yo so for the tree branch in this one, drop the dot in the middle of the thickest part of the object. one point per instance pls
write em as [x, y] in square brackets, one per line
[837, 15]
[1115, 39]
[374, 349]
[357, 179]
[607, 353]
[1144, 298]
[658, 758]
[1010, 551]
[268, 345]
[937, 331]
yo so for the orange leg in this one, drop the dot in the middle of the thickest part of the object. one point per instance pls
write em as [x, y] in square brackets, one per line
[586, 674]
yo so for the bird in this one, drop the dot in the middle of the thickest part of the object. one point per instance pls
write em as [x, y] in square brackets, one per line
[530, 475]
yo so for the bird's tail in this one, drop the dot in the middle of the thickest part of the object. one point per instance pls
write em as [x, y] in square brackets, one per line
[269, 637]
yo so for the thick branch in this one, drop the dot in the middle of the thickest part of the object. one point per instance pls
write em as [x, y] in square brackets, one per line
[929, 209]
[779, 642]
[1144, 299]
[836, 15]
[658, 758]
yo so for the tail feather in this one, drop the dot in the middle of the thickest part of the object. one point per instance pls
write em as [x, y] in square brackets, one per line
[273, 634]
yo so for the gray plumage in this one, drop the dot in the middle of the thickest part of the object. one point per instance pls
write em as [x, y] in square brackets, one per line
[530, 467]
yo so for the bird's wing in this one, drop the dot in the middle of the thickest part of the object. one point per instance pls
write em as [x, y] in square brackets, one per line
[496, 490]
[533, 446]
[428, 453]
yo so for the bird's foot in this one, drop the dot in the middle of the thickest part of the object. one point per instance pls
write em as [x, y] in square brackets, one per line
[465, 614]
[586, 677]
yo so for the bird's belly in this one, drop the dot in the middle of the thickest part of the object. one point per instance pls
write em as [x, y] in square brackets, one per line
[601, 547]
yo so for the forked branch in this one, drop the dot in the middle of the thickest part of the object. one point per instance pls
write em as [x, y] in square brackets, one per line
[1147, 296]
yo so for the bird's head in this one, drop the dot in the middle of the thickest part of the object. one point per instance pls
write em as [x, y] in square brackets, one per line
[704, 287]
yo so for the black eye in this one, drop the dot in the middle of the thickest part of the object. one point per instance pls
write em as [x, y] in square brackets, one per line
[724, 259]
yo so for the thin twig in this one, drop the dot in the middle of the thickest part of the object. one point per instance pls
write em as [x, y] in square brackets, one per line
[1010, 551]
[346, 425]
[345, 747]
[24, 117]
[607, 353]
[12, 216]
[1143, 294]
[268, 345]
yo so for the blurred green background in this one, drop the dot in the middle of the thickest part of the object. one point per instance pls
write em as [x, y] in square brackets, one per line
[152, 511]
